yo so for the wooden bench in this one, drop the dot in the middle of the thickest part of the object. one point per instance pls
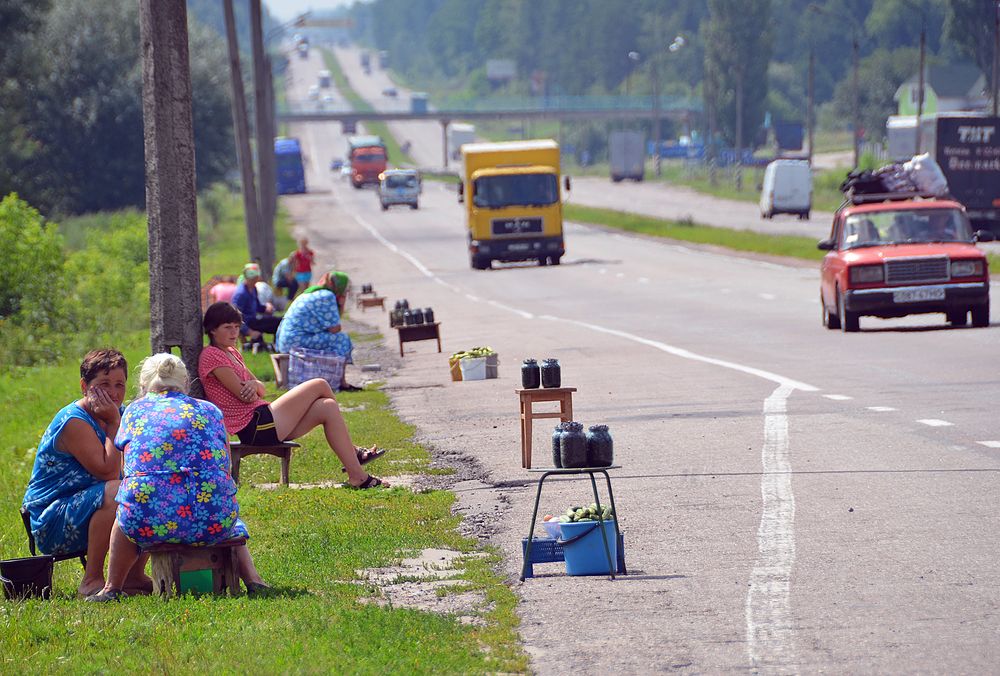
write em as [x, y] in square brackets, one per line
[168, 561]
[283, 451]
[365, 302]
[414, 332]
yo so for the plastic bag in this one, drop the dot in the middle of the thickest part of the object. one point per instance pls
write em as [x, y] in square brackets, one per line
[305, 364]
[927, 175]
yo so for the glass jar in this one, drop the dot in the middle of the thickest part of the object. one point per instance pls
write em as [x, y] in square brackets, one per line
[551, 373]
[573, 445]
[405, 304]
[418, 316]
[530, 376]
[407, 318]
[600, 447]
[557, 445]
[429, 315]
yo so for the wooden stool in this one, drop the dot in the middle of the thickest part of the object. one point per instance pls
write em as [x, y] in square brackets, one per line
[408, 334]
[238, 451]
[280, 364]
[170, 560]
[365, 302]
[563, 395]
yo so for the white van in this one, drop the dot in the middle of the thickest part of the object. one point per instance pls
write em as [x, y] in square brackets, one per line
[399, 186]
[787, 189]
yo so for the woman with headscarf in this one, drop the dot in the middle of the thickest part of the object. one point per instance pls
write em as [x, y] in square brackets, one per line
[257, 316]
[313, 321]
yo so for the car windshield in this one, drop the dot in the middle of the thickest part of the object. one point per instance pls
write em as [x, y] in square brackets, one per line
[398, 181]
[533, 190]
[369, 157]
[905, 227]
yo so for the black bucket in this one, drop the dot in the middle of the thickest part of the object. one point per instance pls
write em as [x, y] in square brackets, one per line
[30, 577]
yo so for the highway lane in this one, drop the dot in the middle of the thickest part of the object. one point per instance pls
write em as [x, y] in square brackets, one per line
[886, 561]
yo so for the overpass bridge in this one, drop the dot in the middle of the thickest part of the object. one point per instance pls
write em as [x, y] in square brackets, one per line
[561, 108]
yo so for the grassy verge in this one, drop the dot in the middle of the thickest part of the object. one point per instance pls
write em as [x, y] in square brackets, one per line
[308, 543]
[352, 97]
[738, 240]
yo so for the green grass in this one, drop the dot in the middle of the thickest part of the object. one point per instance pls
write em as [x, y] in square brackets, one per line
[738, 240]
[307, 543]
[393, 149]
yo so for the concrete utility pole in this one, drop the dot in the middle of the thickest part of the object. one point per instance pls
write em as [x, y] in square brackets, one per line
[265, 142]
[171, 206]
[810, 108]
[996, 55]
[920, 82]
[243, 155]
[738, 163]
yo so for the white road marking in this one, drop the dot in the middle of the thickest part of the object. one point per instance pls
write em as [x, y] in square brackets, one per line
[838, 397]
[934, 422]
[620, 275]
[769, 629]
[767, 296]
[769, 626]
[882, 409]
[644, 280]
[474, 299]
[602, 271]
[989, 444]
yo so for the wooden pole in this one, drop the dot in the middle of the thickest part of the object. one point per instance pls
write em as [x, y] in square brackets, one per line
[243, 155]
[171, 200]
[920, 85]
[810, 109]
[265, 142]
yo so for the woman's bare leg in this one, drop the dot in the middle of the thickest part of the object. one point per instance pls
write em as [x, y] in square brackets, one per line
[310, 405]
[248, 572]
[124, 556]
[98, 541]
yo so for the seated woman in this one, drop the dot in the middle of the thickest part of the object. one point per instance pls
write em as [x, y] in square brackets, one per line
[313, 321]
[257, 316]
[229, 385]
[177, 486]
[71, 493]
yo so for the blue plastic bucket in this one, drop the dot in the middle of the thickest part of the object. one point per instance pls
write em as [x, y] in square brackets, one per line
[583, 547]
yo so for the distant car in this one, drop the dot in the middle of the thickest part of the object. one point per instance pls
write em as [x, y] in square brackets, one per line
[399, 186]
[345, 170]
[314, 92]
[897, 254]
[390, 92]
[336, 164]
[327, 98]
[787, 189]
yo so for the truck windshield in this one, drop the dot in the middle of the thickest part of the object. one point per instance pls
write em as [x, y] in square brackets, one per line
[531, 190]
[905, 227]
[369, 157]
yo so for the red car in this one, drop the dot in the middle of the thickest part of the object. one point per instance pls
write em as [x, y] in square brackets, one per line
[892, 255]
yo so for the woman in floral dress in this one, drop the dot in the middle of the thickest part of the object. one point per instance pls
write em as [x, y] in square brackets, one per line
[176, 487]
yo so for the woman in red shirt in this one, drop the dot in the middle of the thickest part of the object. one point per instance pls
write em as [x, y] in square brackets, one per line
[229, 385]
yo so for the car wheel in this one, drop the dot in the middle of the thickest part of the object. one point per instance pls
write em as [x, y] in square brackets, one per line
[385, 207]
[981, 315]
[479, 263]
[543, 261]
[555, 260]
[849, 321]
[830, 321]
[414, 206]
[957, 317]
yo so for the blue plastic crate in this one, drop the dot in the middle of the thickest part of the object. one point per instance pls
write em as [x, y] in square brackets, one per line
[548, 550]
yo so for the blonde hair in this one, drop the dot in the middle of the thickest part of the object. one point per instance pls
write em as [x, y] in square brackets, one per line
[162, 372]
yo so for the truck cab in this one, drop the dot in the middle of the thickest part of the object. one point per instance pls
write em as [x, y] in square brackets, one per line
[368, 159]
[513, 202]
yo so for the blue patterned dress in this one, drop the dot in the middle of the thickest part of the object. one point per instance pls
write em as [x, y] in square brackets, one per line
[62, 495]
[177, 486]
[306, 322]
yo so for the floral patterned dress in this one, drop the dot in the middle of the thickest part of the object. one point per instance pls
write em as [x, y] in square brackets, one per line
[306, 324]
[177, 485]
[62, 495]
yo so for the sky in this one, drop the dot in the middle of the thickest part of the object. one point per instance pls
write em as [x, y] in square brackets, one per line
[286, 10]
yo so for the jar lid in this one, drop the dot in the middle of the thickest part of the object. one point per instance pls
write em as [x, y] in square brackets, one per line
[529, 361]
[598, 428]
[551, 362]
[574, 426]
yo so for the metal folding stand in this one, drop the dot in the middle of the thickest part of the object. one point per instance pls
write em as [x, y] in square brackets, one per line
[546, 473]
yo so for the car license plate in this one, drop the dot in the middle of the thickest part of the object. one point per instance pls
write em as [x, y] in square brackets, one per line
[918, 295]
[521, 246]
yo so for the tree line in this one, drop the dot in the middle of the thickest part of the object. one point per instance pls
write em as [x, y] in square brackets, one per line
[759, 47]
[71, 128]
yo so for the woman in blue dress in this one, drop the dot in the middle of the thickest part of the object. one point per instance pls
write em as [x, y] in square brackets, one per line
[71, 493]
[313, 321]
[177, 487]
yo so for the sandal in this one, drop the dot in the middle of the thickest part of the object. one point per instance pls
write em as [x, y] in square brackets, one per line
[106, 596]
[351, 388]
[370, 482]
[259, 589]
[366, 455]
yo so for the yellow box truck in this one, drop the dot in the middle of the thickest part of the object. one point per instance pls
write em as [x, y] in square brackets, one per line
[513, 204]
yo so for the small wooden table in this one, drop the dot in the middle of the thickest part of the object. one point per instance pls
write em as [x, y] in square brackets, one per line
[365, 302]
[414, 332]
[563, 395]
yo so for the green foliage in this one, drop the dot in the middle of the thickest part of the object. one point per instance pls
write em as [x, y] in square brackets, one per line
[879, 76]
